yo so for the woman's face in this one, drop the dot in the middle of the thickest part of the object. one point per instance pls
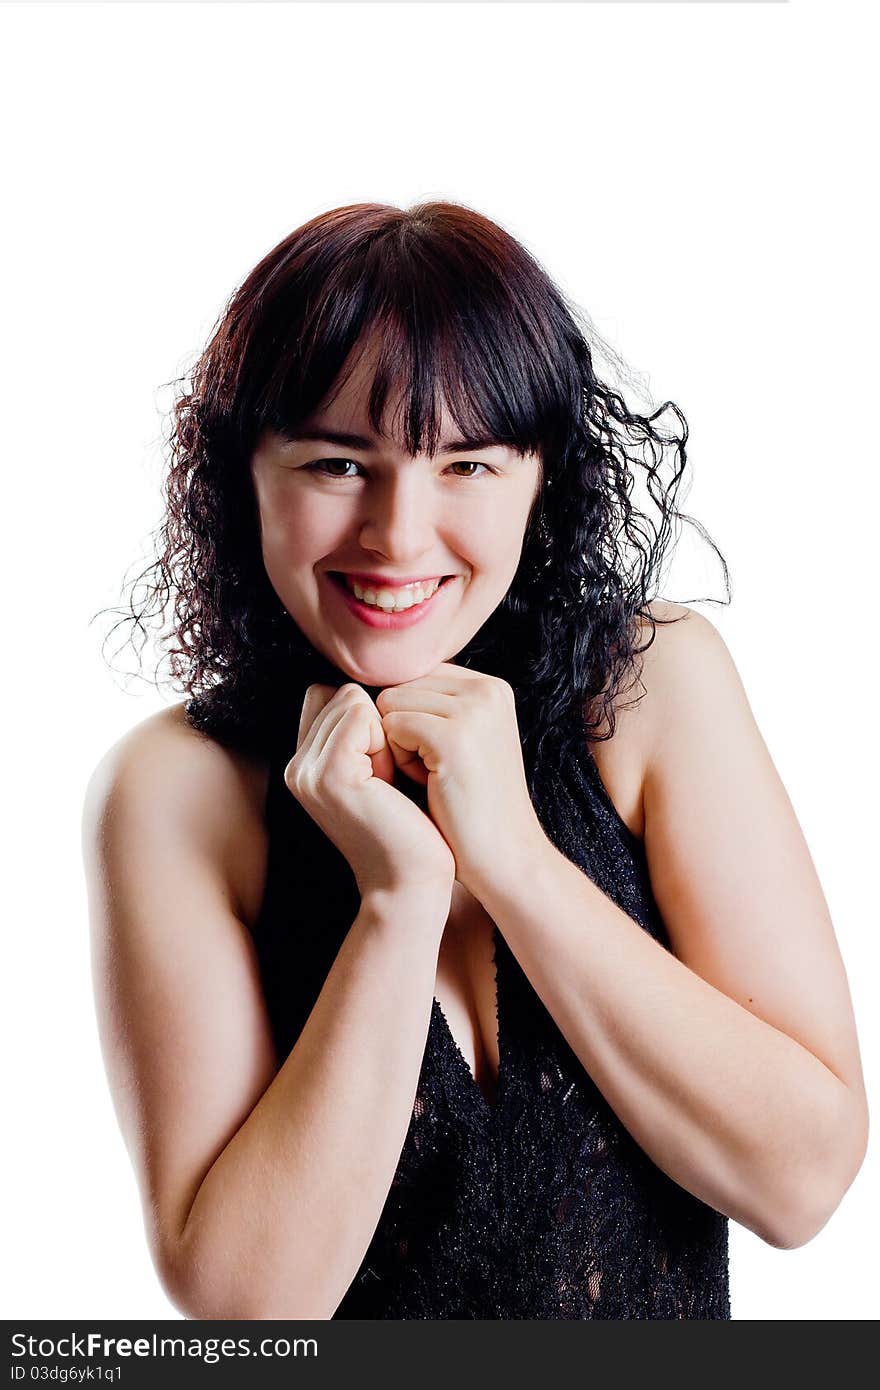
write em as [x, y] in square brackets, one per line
[364, 509]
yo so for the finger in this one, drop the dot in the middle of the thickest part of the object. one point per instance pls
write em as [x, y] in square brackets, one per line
[327, 718]
[414, 737]
[380, 754]
[316, 698]
[453, 668]
[448, 674]
[358, 734]
[365, 735]
[423, 698]
[445, 679]
[410, 765]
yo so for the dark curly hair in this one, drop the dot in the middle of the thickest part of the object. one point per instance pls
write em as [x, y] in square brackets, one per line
[463, 315]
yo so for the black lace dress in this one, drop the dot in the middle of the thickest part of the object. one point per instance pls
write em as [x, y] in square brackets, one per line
[540, 1205]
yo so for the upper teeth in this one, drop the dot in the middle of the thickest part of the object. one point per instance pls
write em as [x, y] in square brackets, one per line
[394, 599]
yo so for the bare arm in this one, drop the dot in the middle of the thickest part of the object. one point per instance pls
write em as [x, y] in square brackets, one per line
[732, 1058]
[732, 1108]
[261, 1185]
[282, 1220]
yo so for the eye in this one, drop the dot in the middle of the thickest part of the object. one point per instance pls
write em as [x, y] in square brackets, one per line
[320, 466]
[469, 463]
[325, 466]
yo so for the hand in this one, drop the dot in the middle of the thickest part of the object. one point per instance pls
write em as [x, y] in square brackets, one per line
[455, 731]
[342, 774]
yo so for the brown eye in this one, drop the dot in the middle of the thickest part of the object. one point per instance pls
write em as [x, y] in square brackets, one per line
[321, 466]
[467, 463]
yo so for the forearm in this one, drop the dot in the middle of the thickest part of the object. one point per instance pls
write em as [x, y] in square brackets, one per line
[732, 1109]
[284, 1217]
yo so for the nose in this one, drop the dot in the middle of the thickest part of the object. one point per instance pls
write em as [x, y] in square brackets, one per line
[399, 521]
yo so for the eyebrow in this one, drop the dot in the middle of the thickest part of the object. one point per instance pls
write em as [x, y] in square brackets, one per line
[360, 441]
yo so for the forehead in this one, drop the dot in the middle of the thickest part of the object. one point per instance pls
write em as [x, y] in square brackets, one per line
[345, 407]
[344, 412]
[345, 421]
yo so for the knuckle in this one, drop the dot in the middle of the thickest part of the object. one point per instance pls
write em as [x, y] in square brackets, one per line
[355, 714]
[301, 777]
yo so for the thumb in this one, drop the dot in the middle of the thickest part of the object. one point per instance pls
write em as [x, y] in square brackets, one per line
[380, 754]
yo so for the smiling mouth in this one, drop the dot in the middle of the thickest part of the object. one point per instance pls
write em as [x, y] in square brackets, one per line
[385, 600]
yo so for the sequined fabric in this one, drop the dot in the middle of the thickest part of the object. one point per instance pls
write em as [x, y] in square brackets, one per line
[540, 1205]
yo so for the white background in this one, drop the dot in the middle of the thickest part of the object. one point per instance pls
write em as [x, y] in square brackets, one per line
[699, 177]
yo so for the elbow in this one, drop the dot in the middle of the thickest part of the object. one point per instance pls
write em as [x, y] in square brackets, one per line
[799, 1228]
[803, 1224]
[810, 1208]
[196, 1287]
[177, 1275]
[204, 1292]
[213, 1299]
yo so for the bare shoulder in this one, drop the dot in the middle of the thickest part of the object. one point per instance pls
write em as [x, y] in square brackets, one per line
[174, 854]
[622, 759]
[211, 793]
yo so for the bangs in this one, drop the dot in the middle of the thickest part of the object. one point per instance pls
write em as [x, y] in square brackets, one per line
[441, 321]
[420, 376]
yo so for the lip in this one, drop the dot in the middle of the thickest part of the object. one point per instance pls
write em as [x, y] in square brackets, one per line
[375, 617]
[384, 581]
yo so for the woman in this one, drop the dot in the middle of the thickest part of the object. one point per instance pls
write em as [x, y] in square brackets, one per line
[434, 980]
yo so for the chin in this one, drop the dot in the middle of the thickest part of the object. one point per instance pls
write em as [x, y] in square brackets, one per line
[392, 673]
[388, 671]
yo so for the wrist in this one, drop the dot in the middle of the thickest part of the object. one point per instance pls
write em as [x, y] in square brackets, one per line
[503, 874]
[413, 904]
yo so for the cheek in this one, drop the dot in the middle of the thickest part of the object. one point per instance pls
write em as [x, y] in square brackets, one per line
[301, 532]
[495, 540]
